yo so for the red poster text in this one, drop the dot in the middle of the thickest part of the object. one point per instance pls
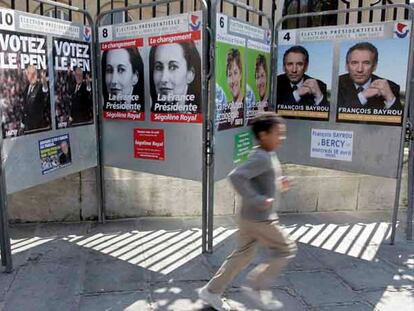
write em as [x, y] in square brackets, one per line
[149, 144]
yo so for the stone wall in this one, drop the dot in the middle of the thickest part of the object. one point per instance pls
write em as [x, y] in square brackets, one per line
[132, 194]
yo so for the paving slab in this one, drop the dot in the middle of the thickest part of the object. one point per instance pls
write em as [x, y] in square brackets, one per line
[239, 301]
[111, 227]
[391, 299]
[176, 296]
[6, 281]
[61, 229]
[355, 306]
[318, 288]
[196, 269]
[124, 301]
[369, 275]
[43, 287]
[105, 273]
[56, 250]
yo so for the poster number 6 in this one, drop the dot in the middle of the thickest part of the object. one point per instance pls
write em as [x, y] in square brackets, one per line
[222, 22]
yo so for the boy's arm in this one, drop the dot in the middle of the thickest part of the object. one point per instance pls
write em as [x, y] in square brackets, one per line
[240, 177]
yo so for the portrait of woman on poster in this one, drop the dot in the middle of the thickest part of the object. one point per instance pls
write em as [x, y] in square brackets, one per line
[123, 72]
[175, 76]
[261, 76]
[232, 113]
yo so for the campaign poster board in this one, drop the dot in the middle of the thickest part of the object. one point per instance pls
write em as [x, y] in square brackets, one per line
[151, 81]
[242, 86]
[39, 94]
[364, 68]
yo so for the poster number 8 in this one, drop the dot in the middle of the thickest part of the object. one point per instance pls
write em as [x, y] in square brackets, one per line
[105, 34]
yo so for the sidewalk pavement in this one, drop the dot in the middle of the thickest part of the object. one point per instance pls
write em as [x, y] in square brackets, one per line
[344, 263]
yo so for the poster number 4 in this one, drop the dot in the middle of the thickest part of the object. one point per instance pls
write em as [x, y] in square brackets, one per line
[7, 19]
[287, 37]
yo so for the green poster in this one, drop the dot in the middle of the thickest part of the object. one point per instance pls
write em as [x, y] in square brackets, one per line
[230, 85]
[243, 144]
[258, 79]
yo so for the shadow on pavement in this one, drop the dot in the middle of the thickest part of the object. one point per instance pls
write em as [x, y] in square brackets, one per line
[344, 262]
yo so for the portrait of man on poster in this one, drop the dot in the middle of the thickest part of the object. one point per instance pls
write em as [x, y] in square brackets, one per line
[294, 86]
[360, 87]
[36, 102]
[81, 110]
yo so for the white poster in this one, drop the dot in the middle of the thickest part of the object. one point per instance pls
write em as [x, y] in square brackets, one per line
[331, 144]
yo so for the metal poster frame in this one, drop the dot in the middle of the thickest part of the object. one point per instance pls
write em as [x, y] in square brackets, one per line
[208, 247]
[204, 75]
[409, 95]
[4, 234]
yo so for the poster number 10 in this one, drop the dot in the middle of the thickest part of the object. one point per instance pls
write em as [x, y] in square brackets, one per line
[6, 19]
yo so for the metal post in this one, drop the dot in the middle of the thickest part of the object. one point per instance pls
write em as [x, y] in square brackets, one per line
[401, 155]
[207, 142]
[410, 186]
[212, 110]
[99, 169]
[6, 257]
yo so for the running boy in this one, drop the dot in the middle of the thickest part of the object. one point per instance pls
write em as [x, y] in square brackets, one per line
[259, 182]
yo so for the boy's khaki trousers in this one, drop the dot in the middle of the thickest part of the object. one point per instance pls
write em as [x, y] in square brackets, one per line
[266, 233]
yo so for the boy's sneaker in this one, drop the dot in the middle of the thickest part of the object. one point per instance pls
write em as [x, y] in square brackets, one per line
[212, 299]
[262, 299]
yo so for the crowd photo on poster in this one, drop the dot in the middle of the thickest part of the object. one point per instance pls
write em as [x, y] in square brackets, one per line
[24, 84]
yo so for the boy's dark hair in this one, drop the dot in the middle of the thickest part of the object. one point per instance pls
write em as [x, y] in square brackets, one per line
[265, 121]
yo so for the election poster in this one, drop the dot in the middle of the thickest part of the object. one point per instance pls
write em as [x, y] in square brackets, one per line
[55, 153]
[243, 72]
[258, 78]
[24, 83]
[73, 82]
[123, 80]
[166, 53]
[332, 144]
[243, 145]
[230, 83]
[175, 77]
[369, 65]
[372, 76]
[230, 78]
[304, 79]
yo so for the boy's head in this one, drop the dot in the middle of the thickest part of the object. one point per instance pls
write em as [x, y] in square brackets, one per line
[269, 129]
